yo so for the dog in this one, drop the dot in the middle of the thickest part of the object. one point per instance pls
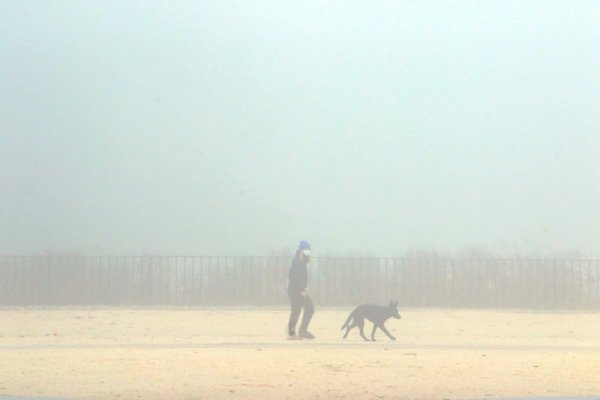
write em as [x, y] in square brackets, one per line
[374, 313]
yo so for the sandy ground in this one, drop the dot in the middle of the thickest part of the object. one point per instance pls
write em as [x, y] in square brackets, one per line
[239, 354]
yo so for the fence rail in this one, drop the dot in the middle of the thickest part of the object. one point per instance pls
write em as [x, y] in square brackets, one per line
[187, 280]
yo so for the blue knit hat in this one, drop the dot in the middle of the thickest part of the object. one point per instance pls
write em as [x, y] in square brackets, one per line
[304, 245]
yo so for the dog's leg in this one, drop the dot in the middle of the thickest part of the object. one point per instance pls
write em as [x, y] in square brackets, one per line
[382, 327]
[361, 326]
[373, 332]
[348, 329]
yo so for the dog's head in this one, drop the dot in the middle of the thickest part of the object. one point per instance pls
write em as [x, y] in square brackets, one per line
[394, 309]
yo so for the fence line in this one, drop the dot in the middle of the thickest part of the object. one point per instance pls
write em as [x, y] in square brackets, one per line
[220, 280]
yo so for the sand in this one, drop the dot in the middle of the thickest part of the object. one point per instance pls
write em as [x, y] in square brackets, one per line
[110, 353]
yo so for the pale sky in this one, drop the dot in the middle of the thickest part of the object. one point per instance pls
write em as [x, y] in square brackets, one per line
[240, 128]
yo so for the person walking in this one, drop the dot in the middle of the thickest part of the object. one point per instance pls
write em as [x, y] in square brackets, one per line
[298, 281]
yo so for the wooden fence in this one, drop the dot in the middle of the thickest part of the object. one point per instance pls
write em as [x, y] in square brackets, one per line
[201, 280]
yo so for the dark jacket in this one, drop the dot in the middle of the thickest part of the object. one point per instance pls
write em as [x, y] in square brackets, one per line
[298, 275]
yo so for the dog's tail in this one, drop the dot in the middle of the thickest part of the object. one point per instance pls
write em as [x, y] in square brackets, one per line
[347, 321]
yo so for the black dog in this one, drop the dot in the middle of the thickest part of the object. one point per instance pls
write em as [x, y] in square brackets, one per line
[376, 314]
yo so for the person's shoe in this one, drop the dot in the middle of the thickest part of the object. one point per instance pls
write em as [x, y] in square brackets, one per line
[293, 336]
[306, 335]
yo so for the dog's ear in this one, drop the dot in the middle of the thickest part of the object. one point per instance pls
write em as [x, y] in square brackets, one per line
[396, 304]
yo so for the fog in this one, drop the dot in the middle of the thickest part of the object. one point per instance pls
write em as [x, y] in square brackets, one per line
[240, 128]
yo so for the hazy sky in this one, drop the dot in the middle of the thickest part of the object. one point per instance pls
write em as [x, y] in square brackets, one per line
[235, 128]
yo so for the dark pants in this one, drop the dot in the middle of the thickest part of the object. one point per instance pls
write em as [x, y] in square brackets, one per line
[298, 302]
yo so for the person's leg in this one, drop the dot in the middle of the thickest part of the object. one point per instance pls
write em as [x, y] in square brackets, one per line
[309, 310]
[296, 303]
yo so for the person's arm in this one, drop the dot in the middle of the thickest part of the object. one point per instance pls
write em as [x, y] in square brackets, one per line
[295, 278]
[303, 278]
